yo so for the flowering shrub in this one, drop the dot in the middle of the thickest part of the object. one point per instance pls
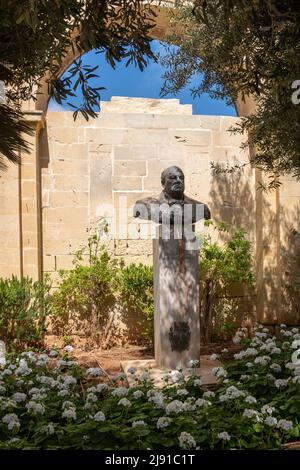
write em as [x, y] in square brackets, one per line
[49, 402]
[24, 308]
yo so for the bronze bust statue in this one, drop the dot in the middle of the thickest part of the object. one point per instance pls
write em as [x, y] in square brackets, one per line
[171, 205]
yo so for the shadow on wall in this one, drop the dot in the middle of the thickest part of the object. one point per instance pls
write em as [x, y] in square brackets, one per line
[232, 200]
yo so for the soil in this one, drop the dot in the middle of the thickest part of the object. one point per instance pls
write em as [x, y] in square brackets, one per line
[110, 359]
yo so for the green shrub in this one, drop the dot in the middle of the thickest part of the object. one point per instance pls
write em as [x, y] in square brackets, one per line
[135, 284]
[86, 293]
[220, 265]
[24, 307]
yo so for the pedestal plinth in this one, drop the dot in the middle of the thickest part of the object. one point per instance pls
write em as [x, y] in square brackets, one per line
[176, 300]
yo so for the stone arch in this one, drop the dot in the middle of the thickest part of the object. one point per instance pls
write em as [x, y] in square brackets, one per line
[30, 180]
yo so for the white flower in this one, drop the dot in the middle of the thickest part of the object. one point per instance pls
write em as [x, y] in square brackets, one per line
[249, 365]
[6, 372]
[174, 406]
[295, 344]
[270, 421]
[69, 413]
[261, 335]
[8, 403]
[268, 409]
[251, 400]
[236, 340]
[68, 348]
[101, 388]
[35, 390]
[282, 325]
[225, 350]
[197, 383]
[99, 416]
[296, 380]
[138, 394]
[193, 363]
[44, 379]
[19, 397]
[132, 370]
[124, 402]
[214, 357]
[201, 402]
[244, 377]
[2, 389]
[94, 371]
[262, 360]
[163, 422]
[209, 394]
[63, 393]
[276, 351]
[120, 392]
[158, 399]
[91, 397]
[287, 334]
[67, 404]
[188, 405]
[275, 367]
[250, 413]
[176, 376]
[136, 424]
[281, 383]
[285, 424]
[11, 420]
[224, 436]
[49, 429]
[36, 408]
[70, 380]
[186, 441]
[219, 372]
[182, 392]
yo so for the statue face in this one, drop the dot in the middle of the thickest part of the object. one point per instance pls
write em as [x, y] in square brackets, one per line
[174, 182]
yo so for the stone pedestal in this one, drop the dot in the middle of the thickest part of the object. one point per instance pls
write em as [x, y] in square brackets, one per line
[176, 300]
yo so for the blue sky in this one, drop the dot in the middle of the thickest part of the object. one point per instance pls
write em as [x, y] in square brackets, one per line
[130, 81]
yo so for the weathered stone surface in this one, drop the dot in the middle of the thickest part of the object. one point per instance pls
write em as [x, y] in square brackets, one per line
[176, 303]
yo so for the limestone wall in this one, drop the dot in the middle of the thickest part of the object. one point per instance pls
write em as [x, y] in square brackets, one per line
[79, 174]
[89, 167]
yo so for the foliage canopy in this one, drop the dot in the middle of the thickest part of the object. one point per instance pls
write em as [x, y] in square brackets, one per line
[245, 48]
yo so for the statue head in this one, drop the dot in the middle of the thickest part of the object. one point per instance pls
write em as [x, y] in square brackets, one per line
[172, 180]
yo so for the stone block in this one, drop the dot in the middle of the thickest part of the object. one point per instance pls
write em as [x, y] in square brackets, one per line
[64, 262]
[198, 137]
[152, 184]
[70, 167]
[130, 168]
[147, 137]
[30, 256]
[65, 215]
[68, 199]
[107, 136]
[28, 171]
[63, 246]
[73, 183]
[156, 167]
[63, 135]
[134, 152]
[170, 152]
[29, 189]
